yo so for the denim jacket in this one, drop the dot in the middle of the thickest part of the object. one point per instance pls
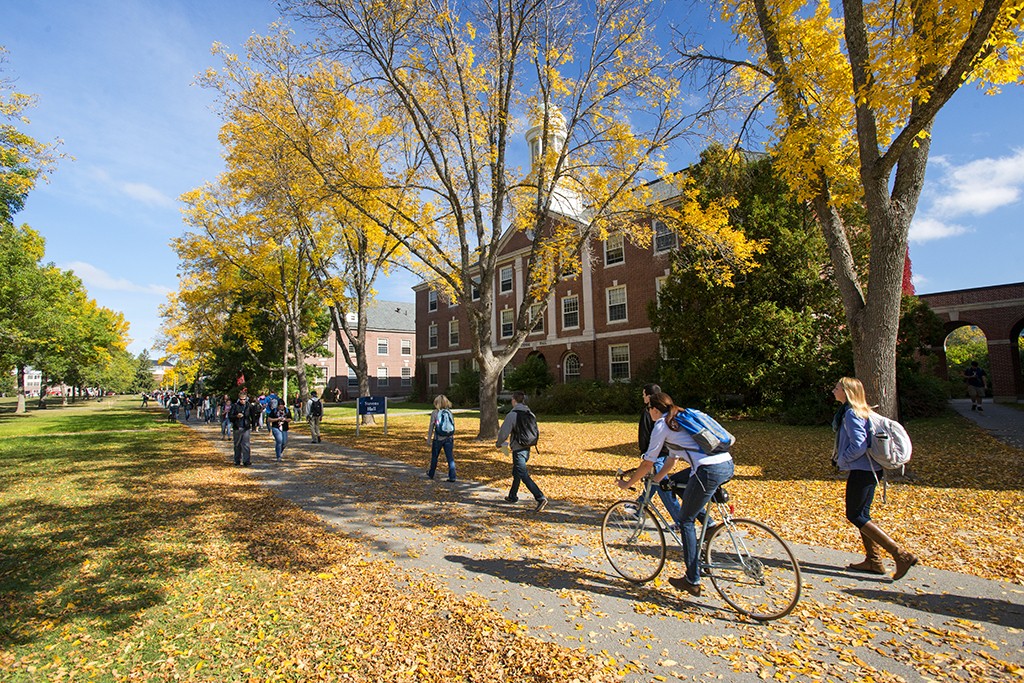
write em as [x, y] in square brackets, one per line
[852, 434]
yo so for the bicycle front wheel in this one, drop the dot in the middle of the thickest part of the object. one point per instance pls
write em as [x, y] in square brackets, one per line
[633, 541]
[753, 569]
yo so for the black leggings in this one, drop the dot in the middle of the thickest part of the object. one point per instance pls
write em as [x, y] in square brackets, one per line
[860, 492]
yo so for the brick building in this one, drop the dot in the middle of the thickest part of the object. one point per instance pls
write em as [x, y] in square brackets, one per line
[595, 325]
[390, 354]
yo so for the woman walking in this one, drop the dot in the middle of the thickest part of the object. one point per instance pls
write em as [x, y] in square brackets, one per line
[279, 417]
[441, 434]
[851, 455]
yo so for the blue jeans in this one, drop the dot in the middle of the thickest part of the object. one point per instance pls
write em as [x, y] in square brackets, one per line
[280, 440]
[668, 499]
[520, 474]
[225, 428]
[699, 489]
[860, 493]
[446, 443]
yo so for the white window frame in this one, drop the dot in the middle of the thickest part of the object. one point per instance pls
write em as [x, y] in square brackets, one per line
[382, 377]
[432, 335]
[406, 377]
[502, 280]
[382, 343]
[431, 300]
[453, 333]
[566, 364]
[432, 374]
[612, 363]
[508, 317]
[662, 236]
[659, 283]
[535, 315]
[575, 299]
[614, 250]
[454, 368]
[608, 293]
[407, 347]
[353, 379]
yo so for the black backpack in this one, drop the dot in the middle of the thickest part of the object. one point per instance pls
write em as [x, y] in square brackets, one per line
[316, 408]
[525, 432]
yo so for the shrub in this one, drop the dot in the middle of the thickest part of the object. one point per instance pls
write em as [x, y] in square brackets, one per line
[921, 395]
[588, 398]
[464, 390]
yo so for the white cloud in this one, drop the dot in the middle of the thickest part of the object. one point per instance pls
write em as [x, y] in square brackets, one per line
[925, 229]
[96, 278]
[980, 186]
[918, 280]
[139, 192]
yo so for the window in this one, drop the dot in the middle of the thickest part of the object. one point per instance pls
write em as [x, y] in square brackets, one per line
[474, 289]
[664, 238]
[618, 356]
[353, 381]
[432, 374]
[659, 284]
[453, 333]
[453, 370]
[351, 349]
[406, 347]
[432, 336]
[616, 304]
[382, 347]
[536, 316]
[570, 267]
[431, 301]
[506, 280]
[571, 368]
[382, 377]
[570, 312]
[406, 377]
[507, 323]
[614, 250]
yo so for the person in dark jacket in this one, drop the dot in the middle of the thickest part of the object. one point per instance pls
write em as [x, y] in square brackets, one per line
[643, 437]
[240, 425]
[520, 453]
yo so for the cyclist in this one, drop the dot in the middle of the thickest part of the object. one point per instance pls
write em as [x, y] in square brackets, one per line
[707, 473]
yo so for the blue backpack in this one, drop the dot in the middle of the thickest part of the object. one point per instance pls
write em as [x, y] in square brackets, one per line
[705, 430]
[445, 423]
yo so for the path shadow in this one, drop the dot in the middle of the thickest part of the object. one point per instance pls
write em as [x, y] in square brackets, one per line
[1000, 612]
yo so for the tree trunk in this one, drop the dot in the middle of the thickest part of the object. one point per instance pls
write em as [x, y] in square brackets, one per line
[20, 410]
[490, 373]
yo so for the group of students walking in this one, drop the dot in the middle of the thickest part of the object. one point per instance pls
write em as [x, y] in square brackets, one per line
[246, 414]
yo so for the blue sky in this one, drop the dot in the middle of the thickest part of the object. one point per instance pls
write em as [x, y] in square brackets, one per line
[115, 83]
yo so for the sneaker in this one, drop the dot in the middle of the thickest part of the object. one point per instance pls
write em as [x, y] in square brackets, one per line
[510, 499]
[973, 407]
[429, 475]
[541, 504]
[449, 479]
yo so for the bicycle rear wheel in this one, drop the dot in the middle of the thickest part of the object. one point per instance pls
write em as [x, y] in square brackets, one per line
[633, 541]
[753, 569]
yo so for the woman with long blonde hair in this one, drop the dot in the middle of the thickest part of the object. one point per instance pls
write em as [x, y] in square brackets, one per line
[853, 433]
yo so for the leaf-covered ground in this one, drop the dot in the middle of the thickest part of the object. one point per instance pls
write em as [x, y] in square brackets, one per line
[961, 508]
[137, 555]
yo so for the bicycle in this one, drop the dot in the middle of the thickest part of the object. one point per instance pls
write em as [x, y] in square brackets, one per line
[749, 564]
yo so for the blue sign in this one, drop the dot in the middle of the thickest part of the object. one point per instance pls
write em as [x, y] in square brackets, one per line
[372, 405]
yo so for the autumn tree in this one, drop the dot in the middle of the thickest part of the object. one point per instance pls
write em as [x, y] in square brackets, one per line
[855, 94]
[460, 82]
[280, 101]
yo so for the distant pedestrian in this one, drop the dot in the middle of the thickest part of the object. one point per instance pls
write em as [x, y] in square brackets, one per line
[314, 413]
[145, 400]
[241, 423]
[225, 417]
[279, 418]
[188, 408]
[975, 378]
[173, 406]
[519, 430]
[256, 413]
[851, 455]
[441, 434]
[337, 395]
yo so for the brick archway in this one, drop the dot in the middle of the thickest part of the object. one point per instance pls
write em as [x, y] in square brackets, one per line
[999, 312]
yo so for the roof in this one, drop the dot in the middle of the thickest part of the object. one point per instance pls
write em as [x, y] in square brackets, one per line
[393, 316]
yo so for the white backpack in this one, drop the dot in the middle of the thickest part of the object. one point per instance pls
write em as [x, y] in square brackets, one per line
[888, 444]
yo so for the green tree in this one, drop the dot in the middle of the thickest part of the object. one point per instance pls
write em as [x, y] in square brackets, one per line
[532, 376]
[774, 337]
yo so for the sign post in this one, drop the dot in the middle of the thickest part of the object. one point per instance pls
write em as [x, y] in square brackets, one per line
[371, 405]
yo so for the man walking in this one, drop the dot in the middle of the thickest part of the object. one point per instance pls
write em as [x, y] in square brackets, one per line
[314, 413]
[241, 423]
[975, 377]
[520, 431]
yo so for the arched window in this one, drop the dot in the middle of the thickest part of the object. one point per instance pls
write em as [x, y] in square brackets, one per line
[571, 368]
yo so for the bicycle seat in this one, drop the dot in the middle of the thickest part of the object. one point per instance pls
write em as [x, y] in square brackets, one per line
[721, 495]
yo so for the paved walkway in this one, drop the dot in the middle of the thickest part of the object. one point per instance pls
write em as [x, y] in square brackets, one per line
[1004, 422]
[548, 571]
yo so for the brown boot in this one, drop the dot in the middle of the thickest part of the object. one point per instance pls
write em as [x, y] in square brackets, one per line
[872, 563]
[904, 560]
